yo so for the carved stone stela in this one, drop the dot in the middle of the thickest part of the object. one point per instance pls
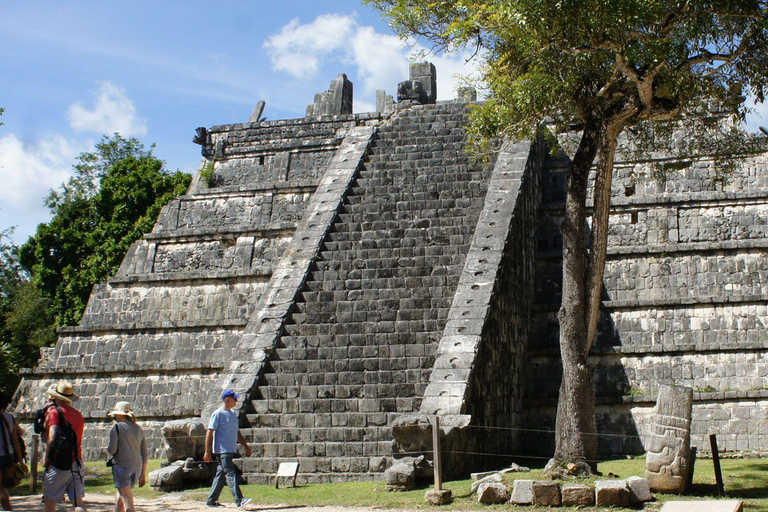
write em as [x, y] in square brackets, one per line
[668, 459]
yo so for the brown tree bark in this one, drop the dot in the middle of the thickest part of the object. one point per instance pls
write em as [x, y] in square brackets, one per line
[575, 425]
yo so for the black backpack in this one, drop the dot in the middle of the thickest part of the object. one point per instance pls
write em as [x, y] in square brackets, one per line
[63, 451]
[39, 423]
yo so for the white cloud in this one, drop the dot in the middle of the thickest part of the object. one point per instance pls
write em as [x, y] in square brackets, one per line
[299, 49]
[112, 112]
[28, 171]
[381, 60]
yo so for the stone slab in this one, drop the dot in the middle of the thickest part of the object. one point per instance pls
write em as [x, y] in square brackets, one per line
[703, 506]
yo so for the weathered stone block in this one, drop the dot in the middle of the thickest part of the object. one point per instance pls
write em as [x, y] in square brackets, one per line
[577, 494]
[547, 494]
[167, 479]
[492, 478]
[611, 493]
[639, 491]
[522, 492]
[184, 439]
[438, 496]
[492, 493]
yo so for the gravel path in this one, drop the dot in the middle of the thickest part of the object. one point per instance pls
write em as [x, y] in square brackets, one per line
[175, 503]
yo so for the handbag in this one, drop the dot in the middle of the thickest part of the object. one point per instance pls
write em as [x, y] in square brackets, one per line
[13, 472]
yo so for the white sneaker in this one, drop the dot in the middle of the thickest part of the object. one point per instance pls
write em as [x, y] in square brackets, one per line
[244, 502]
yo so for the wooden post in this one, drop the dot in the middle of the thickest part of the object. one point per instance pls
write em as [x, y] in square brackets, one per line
[33, 463]
[716, 463]
[436, 453]
[689, 480]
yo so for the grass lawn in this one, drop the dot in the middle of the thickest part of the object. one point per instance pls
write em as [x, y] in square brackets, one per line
[745, 479]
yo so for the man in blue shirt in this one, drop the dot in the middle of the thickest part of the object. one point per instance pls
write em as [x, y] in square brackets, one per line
[221, 438]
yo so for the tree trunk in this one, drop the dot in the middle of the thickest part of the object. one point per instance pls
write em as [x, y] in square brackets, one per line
[576, 429]
[601, 209]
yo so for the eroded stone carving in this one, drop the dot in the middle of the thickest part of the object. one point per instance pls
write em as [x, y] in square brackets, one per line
[422, 86]
[669, 443]
[335, 101]
[185, 439]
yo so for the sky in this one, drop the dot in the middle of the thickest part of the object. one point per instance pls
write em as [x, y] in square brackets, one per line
[72, 72]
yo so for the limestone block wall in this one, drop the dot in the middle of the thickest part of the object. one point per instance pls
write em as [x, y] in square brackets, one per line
[686, 290]
[163, 331]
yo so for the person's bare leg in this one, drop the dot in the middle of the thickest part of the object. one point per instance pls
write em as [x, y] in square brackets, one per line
[5, 499]
[119, 506]
[50, 505]
[127, 498]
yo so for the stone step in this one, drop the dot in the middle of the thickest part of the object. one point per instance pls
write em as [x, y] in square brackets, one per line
[295, 429]
[262, 471]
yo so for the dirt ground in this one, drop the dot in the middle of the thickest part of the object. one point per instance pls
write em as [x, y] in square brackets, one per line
[175, 503]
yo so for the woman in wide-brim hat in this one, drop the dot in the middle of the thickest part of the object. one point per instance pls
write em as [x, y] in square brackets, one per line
[128, 454]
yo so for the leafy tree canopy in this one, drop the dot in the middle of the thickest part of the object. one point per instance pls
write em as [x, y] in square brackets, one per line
[600, 66]
[114, 198]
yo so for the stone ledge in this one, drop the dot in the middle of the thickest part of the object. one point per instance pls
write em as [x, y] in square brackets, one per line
[723, 396]
[181, 324]
[200, 275]
[133, 368]
[669, 249]
[250, 190]
[688, 200]
[297, 121]
[659, 349]
[208, 234]
[667, 303]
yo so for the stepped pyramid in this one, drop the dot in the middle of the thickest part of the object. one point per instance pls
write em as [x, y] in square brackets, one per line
[353, 275]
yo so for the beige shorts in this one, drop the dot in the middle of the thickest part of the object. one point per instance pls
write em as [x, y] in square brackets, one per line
[57, 482]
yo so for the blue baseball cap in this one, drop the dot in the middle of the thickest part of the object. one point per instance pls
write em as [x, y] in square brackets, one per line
[229, 394]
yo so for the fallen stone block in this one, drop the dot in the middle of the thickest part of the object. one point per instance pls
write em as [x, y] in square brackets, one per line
[514, 468]
[168, 478]
[184, 439]
[401, 476]
[611, 493]
[639, 491]
[493, 477]
[522, 492]
[438, 496]
[546, 494]
[577, 494]
[479, 476]
[491, 493]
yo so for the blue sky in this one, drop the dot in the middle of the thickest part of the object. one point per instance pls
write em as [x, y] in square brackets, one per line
[73, 71]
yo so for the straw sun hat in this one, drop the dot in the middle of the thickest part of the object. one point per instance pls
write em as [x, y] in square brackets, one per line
[63, 391]
[123, 408]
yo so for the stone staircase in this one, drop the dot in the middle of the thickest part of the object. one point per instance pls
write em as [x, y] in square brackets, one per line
[360, 342]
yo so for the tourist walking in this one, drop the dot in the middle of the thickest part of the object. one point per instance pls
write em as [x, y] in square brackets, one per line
[62, 458]
[221, 438]
[128, 455]
[10, 448]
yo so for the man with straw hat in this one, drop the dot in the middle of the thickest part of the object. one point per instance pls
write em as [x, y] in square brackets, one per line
[61, 480]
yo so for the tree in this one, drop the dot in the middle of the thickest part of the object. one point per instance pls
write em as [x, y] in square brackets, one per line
[603, 65]
[114, 198]
[24, 326]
